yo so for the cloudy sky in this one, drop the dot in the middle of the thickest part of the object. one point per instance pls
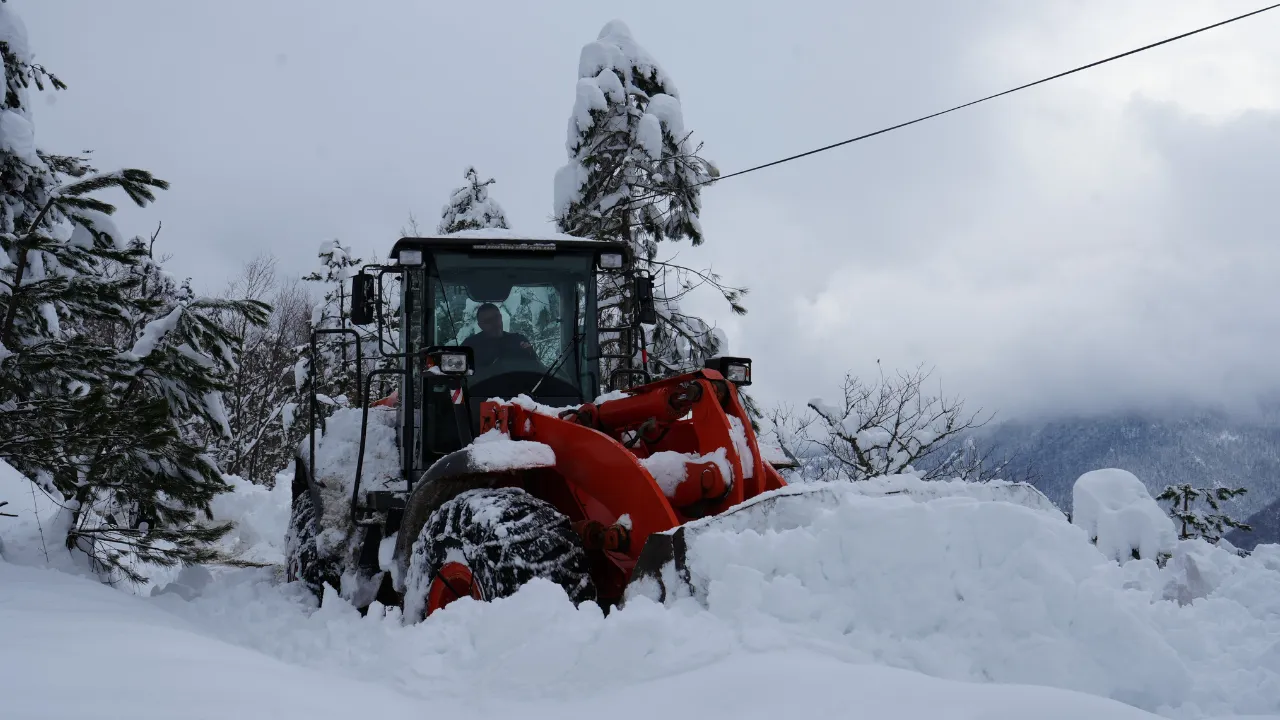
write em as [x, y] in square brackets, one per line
[1108, 240]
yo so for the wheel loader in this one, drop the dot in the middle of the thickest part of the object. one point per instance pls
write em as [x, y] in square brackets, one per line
[503, 458]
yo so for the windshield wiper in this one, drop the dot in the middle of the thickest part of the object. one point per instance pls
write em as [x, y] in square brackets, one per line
[575, 346]
[564, 354]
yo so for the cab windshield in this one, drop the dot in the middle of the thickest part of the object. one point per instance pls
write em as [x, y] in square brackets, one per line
[526, 318]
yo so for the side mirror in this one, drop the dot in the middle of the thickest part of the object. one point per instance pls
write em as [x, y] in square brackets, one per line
[646, 313]
[364, 299]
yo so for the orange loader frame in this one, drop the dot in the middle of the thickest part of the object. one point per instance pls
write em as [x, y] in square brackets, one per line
[600, 484]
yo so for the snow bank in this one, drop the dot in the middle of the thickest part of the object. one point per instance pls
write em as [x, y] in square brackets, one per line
[30, 538]
[160, 658]
[994, 590]
[846, 596]
[34, 537]
[777, 508]
[1114, 507]
[75, 649]
[261, 517]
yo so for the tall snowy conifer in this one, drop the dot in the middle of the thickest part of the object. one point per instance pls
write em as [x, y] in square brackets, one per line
[104, 364]
[471, 208]
[55, 239]
[634, 174]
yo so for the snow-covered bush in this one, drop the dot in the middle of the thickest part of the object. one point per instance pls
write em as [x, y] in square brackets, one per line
[261, 398]
[1115, 510]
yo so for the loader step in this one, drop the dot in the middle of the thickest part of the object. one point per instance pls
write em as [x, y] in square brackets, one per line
[383, 500]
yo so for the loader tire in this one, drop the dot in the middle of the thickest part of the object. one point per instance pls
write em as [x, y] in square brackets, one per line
[303, 562]
[505, 537]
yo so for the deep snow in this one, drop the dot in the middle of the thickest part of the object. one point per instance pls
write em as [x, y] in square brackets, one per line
[74, 649]
[855, 602]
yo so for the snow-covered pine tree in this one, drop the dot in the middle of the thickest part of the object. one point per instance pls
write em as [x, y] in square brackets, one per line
[150, 475]
[634, 174]
[55, 240]
[1184, 507]
[105, 433]
[471, 208]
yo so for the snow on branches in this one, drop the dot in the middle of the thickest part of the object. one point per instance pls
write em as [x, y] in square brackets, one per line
[1184, 506]
[107, 365]
[634, 174]
[470, 207]
[633, 171]
[889, 427]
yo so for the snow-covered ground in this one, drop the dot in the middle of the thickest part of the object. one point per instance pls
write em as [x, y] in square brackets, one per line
[943, 602]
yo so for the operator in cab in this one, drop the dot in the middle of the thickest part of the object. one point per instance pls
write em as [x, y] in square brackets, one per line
[493, 343]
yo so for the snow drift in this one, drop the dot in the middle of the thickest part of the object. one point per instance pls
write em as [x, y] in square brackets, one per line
[146, 662]
[851, 595]
[992, 583]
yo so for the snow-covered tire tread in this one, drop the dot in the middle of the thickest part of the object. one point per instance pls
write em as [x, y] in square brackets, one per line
[302, 557]
[507, 537]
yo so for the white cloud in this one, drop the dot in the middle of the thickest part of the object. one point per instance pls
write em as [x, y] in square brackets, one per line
[1102, 240]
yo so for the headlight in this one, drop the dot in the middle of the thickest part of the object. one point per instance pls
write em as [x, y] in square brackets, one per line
[448, 360]
[453, 363]
[410, 257]
[735, 370]
[611, 261]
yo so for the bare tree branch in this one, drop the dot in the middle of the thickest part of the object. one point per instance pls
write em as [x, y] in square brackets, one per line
[887, 427]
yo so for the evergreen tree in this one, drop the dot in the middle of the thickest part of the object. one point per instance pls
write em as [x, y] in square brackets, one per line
[633, 174]
[148, 478]
[56, 240]
[1184, 501]
[471, 208]
[105, 432]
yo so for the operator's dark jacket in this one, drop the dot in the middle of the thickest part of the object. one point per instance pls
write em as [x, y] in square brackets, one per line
[488, 350]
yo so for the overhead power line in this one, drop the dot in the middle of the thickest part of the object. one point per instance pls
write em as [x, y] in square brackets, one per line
[882, 131]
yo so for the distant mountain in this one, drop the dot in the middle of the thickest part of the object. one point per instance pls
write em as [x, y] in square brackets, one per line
[1200, 447]
[1264, 528]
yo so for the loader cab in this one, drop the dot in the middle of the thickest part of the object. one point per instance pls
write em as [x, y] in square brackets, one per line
[543, 294]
